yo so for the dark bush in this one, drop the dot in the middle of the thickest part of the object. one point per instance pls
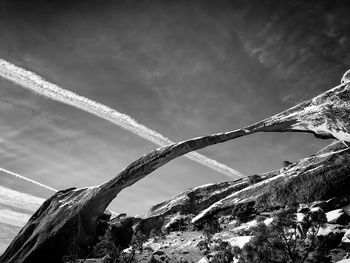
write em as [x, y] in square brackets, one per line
[253, 179]
[282, 242]
[244, 211]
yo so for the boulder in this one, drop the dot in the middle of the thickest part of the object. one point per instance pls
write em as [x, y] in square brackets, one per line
[294, 184]
[203, 260]
[346, 240]
[337, 216]
[331, 234]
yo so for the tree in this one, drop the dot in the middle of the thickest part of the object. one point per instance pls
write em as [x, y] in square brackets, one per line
[157, 235]
[286, 163]
[253, 179]
[243, 212]
[283, 241]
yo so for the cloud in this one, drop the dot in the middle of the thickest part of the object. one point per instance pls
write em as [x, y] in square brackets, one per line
[33, 82]
[18, 200]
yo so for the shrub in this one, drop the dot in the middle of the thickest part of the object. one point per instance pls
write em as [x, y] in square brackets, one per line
[253, 179]
[137, 241]
[286, 163]
[224, 252]
[157, 235]
[211, 226]
[244, 211]
[280, 241]
[106, 248]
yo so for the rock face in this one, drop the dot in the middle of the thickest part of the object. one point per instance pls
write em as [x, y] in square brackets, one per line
[318, 177]
[71, 216]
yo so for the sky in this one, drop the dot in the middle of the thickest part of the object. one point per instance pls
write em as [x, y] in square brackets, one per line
[182, 68]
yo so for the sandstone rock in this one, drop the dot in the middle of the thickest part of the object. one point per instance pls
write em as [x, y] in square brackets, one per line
[337, 216]
[331, 234]
[322, 204]
[346, 240]
[203, 260]
[305, 178]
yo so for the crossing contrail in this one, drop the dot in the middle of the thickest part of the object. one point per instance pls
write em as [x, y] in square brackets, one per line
[28, 180]
[35, 83]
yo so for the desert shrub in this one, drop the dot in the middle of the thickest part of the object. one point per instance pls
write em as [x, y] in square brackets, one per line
[286, 163]
[220, 251]
[137, 241]
[105, 248]
[224, 252]
[244, 211]
[157, 234]
[260, 218]
[281, 241]
[253, 179]
[204, 246]
[182, 223]
[211, 226]
[136, 244]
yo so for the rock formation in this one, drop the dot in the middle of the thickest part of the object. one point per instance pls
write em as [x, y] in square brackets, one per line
[68, 220]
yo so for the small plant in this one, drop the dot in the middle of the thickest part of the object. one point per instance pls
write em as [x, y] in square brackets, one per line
[253, 179]
[224, 252]
[211, 227]
[181, 223]
[137, 240]
[286, 163]
[106, 248]
[157, 235]
[243, 212]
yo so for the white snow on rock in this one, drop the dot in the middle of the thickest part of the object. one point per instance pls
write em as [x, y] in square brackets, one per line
[203, 260]
[334, 215]
[344, 261]
[328, 229]
[239, 241]
[346, 238]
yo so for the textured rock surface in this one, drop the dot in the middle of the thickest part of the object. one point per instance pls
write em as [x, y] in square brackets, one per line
[72, 215]
[314, 178]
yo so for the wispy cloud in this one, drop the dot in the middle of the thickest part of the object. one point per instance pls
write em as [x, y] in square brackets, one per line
[35, 83]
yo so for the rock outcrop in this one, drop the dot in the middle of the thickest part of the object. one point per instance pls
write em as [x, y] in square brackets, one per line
[68, 220]
[318, 177]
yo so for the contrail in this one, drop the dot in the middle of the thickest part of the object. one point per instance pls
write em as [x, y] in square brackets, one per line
[35, 83]
[28, 180]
